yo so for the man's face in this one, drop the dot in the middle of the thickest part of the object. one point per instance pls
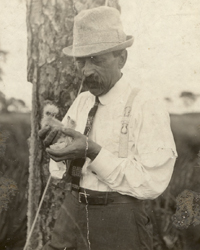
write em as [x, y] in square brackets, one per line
[100, 72]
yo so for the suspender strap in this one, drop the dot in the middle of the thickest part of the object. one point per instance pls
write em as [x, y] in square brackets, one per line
[124, 133]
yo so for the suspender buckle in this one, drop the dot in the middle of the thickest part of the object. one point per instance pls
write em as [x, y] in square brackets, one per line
[124, 129]
[127, 111]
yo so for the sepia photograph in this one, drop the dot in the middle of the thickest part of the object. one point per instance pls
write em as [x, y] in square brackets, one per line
[100, 125]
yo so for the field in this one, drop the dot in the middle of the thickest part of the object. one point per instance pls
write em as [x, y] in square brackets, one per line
[186, 131]
[14, 132]
[14, 157]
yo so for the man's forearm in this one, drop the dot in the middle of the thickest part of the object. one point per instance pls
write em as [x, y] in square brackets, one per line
[93, 149]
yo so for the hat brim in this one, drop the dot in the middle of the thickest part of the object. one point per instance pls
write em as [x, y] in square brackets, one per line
[95, 50]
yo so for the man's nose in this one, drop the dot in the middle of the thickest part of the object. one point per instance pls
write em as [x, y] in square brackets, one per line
[88, 68]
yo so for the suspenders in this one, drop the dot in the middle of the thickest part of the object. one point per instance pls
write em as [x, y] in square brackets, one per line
[124, 133]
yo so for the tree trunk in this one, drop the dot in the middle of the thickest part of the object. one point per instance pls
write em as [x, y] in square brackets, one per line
[53, 75]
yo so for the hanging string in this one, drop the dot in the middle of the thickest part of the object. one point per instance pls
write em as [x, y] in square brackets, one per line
[37, 214]
[106, 2]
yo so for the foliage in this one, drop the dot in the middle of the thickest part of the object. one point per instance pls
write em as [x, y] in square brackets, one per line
[185, 176]
[188, 97]
[188, 209]
[14, 132]
[8, 189]
[2, 58]
[11, 104]
[188, 94]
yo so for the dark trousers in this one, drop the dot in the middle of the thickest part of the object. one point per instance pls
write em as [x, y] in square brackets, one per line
[101, 227]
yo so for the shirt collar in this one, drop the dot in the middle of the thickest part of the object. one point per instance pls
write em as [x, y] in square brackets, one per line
[115, 92]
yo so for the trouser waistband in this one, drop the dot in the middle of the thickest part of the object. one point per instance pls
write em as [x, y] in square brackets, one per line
[91, 197]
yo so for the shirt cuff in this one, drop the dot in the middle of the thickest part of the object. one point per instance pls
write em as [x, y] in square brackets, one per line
[104, 164]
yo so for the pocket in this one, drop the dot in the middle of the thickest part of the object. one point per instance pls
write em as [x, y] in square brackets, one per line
[145, 231]
[149, 225]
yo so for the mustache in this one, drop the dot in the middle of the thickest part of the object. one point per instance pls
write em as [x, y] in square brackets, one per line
[91, 80]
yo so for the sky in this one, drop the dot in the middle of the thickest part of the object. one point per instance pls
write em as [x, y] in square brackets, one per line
[165, 55]
[13, 39]
[166, 52]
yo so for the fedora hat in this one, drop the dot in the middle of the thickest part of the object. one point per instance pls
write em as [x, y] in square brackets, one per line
[97, 31]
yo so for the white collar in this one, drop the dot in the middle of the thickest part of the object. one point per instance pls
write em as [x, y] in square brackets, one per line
[115, 92]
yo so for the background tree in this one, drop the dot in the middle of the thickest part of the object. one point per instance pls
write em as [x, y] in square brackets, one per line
[3, 107]
[50, 25]
[2, 58]
[3, 103]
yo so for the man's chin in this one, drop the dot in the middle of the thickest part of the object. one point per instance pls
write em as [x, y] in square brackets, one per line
[95, 92]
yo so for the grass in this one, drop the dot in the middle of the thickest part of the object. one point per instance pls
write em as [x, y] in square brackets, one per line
[14, 157]
[14, 154]
[187, 138]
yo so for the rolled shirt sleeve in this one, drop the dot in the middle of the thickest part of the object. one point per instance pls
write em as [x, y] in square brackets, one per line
[146, 172]
[135, 178]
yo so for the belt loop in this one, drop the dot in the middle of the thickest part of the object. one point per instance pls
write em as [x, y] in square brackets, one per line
[106, 201]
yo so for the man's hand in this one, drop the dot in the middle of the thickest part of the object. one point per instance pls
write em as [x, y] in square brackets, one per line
[50, 135]
[76, 149]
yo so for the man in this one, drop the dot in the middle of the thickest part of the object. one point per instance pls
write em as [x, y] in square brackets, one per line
[122, 148]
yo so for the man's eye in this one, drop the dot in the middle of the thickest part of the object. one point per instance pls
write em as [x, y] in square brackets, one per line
[80, 62]
[96, 60]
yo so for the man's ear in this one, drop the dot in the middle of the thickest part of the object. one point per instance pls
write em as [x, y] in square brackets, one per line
[122, 58]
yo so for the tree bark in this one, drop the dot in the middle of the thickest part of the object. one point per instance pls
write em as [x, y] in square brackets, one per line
[54, 79]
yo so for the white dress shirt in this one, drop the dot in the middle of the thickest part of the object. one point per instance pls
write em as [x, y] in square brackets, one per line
[147, 170]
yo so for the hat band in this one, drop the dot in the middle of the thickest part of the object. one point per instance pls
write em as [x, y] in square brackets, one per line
[91, 37]
[93, 49]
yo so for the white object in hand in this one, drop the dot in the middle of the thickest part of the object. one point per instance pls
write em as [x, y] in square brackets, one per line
[49, 119]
